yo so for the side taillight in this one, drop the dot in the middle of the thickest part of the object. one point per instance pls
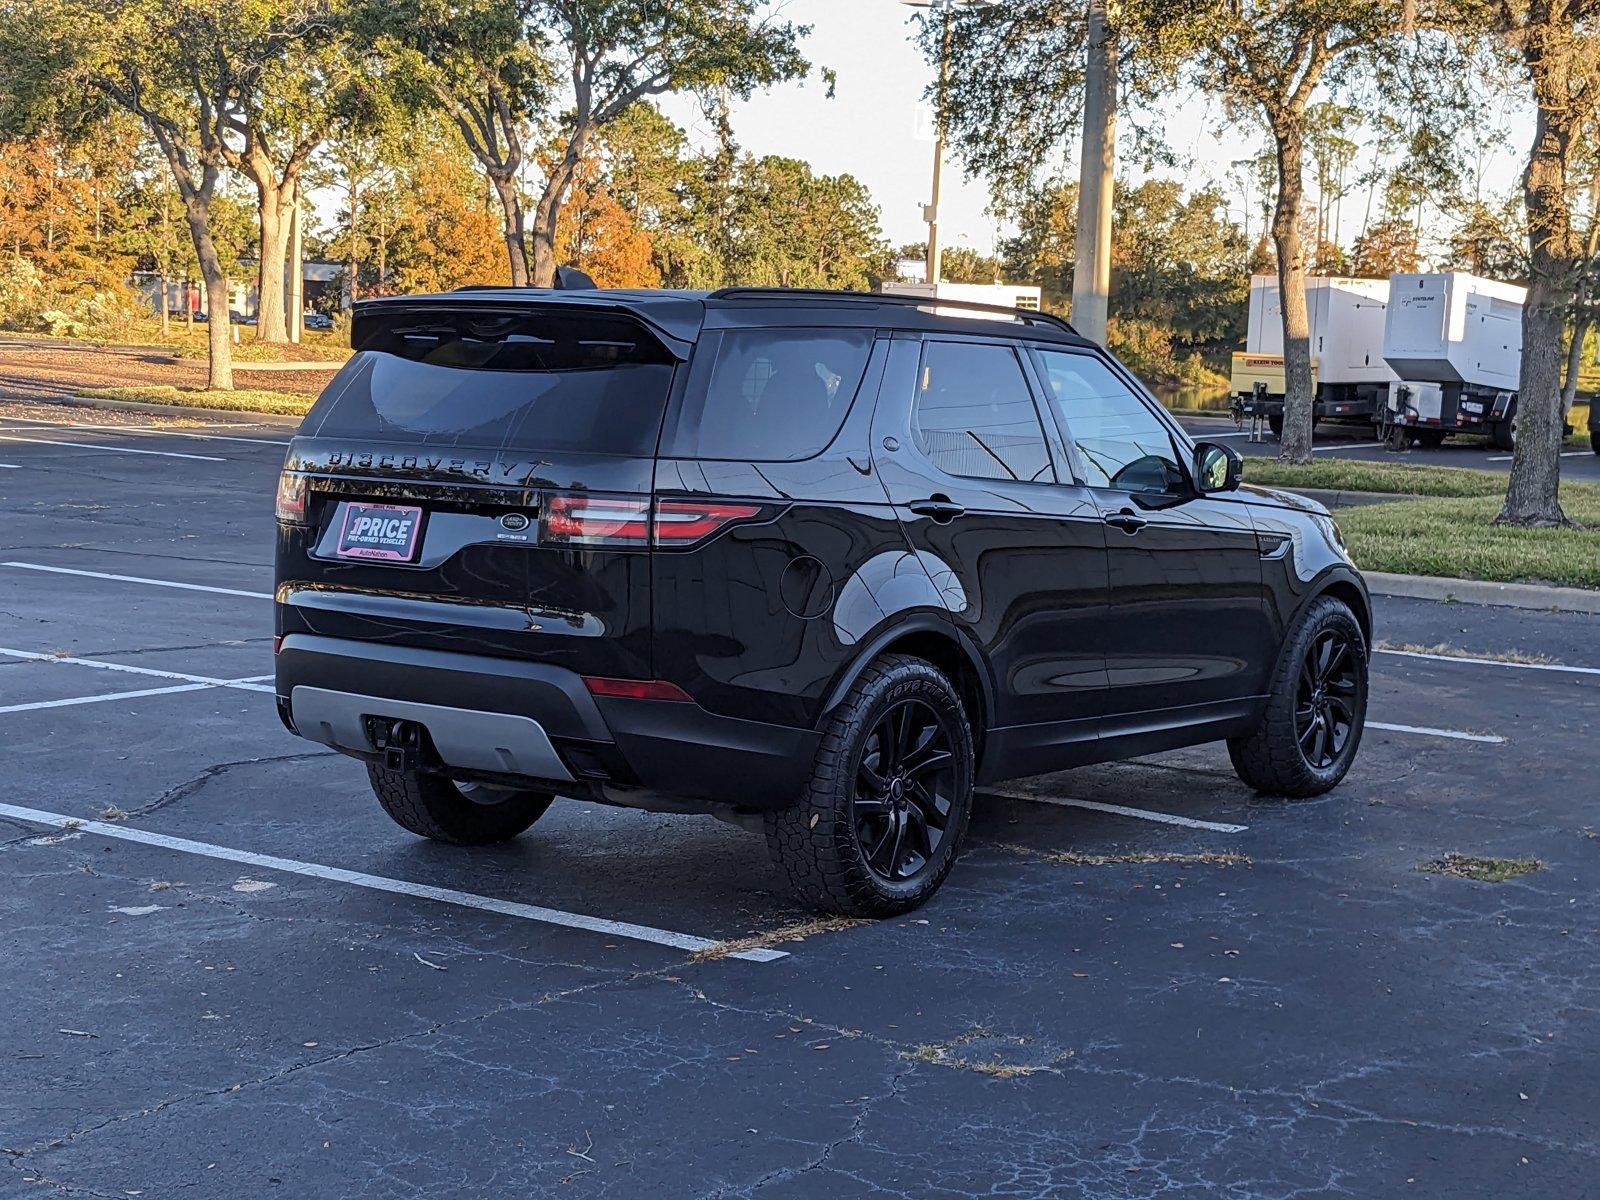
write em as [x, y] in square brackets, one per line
[577, 519]
[688, 522]
[574, 519]
[293, 502]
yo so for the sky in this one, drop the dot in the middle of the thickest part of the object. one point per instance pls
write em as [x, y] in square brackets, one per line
[870, 128]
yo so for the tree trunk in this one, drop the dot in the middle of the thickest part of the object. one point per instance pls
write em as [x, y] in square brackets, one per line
[274, 199]
[166, 319]
[1533, 496]
[548, 215]
[219, 375]
[505, 187]
[1298, 400]
[1569, 391]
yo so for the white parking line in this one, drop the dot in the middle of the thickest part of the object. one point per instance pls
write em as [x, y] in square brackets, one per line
[9, 467]
[252, 684]
[1561, 668]
[150, 429]
[6, 437]
[187, 587]
[1454, 735]
[379, 883]
[1141, 814]
[1564, 454]
[1350, 446]
[101, 699]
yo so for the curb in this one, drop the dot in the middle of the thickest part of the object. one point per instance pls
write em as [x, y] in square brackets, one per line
[1347, 499]
[1479, 591]
[226, 416]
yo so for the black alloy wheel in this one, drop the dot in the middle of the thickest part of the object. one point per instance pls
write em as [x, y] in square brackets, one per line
[1325, 699]
[904, 791]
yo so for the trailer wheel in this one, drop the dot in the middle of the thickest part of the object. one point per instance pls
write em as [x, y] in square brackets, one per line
[1430, 439]
[1275, 423]
[1504, 435]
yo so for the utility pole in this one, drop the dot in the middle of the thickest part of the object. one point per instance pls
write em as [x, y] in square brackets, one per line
[930, 211]
[1091, 272]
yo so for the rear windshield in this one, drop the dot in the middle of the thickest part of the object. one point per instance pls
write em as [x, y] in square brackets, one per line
[770, 395]
[524, 381]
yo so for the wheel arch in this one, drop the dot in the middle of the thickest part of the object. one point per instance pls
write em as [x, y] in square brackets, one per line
[934, 639]
[1348, 588]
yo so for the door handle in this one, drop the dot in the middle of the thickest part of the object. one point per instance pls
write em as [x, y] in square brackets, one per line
[1127, 522]
[940, 508]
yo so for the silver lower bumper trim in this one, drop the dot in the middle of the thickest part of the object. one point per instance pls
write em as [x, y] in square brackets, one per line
[466, 738]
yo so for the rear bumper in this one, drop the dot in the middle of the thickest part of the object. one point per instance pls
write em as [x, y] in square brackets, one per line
[531, 721]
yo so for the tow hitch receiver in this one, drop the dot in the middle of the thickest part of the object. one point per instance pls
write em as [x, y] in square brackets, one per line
[400, 742]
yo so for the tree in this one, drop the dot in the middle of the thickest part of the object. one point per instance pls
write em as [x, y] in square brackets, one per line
[1388, 245]
[289, 80]
[447, 234]
[1268, 59]
[176, 65]
[795, 228]
[1555, 47]
[485, 64]
[618, 52]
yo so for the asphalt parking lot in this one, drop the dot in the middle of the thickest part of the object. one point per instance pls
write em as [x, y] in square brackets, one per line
[227, 974]
[1578, 461]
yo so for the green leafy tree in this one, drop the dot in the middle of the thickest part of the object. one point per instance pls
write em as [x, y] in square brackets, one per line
[182, 67]
[1553, 47]
[799, 229]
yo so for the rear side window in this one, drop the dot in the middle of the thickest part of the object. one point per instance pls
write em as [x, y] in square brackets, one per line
[770, 395]
[523, 381]
[974, 414]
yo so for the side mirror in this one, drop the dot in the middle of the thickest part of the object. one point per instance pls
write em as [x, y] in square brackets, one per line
[1216, 468]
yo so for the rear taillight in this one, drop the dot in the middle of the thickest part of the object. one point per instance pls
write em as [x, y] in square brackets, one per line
[580, 520]
[686, 522]
[292, 499]
[576, 519]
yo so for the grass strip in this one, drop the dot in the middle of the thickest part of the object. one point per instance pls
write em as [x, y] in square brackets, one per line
[1455, 537]
[284, 404]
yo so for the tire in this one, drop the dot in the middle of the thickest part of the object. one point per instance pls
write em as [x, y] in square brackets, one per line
[834, 844]
[1275, 423]
[1283, 756]
[1503, 436]
[460, 814]
[1430, 439]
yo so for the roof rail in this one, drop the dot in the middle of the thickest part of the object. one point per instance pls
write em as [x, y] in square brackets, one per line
[1027, 315]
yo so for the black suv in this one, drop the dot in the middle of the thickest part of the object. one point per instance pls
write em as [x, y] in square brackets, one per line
[818, 563]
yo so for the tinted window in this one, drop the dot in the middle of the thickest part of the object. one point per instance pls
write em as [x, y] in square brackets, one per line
[1122, 443]
[486, 380]
[771, 395]
[974, 414]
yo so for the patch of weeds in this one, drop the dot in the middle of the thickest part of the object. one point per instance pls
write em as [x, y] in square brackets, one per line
[1444, 650]
[1069, 858]
[987, 1054]
[1482, 870]
[798, 932]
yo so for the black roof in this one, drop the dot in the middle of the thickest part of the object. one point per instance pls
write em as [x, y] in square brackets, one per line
[680, 315]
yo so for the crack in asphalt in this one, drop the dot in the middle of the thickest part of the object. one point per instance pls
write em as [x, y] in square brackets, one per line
[192, 785]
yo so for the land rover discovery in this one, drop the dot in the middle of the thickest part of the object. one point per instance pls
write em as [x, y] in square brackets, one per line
[819, 563]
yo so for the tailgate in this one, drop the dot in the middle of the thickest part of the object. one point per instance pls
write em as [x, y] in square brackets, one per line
[440, 467]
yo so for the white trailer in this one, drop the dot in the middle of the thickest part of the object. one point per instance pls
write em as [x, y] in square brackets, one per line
[1349, 374]
[1455, 343]
[1005, 295]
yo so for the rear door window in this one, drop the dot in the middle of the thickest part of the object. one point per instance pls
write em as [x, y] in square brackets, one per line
[974, 414]
[523, 381]
[770, 395]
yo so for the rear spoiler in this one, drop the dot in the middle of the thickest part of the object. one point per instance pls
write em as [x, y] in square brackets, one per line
[675, 321]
